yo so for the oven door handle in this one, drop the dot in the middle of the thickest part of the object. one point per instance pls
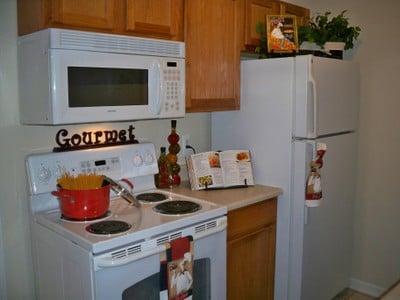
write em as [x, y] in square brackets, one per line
[107, 262]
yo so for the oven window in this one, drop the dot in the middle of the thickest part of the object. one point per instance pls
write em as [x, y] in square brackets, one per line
[88, 87]
[149, 288]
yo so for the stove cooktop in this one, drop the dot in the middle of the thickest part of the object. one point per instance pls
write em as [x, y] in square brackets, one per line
[144, 222]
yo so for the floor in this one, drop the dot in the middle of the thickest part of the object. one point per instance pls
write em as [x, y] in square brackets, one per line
[349, 294]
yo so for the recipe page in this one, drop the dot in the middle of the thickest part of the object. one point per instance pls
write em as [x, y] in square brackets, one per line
[220, 169]
[236, 167]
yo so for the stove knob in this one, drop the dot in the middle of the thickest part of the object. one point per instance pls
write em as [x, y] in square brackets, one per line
[44, 175]
[148, 159]
[137, 160]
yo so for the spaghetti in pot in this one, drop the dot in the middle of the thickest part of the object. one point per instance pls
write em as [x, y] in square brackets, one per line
[88, 181]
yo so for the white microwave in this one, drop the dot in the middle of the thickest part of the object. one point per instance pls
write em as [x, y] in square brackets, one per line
[69, 76]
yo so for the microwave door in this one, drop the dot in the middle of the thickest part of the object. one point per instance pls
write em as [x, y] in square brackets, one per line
[96, 87]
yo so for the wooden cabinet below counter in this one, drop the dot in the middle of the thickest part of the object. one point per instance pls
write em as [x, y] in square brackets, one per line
[251, 251]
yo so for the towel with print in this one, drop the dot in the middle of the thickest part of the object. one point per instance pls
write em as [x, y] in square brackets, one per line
[177, 270]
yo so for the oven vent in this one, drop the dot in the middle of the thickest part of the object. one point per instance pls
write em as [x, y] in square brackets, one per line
[119, 44]
[168, 238]
[211, 224]
[118, 254]
[126, 252]
[200, 228]
[134, 249]
[205, 226]
[162, 240]
[175, 236]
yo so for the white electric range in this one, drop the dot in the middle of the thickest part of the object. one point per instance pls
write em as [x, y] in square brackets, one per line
[72, 262]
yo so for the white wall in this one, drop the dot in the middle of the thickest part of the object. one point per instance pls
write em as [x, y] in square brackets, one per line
[377, 222]
[16, 141]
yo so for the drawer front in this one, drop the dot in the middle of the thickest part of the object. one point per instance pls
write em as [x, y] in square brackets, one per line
[250, 218]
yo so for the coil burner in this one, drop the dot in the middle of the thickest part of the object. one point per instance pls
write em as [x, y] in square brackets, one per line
[108, 227]
[177, 207]
[151, 197]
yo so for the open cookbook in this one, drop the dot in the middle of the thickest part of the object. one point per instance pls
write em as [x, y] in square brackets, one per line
[220, 169]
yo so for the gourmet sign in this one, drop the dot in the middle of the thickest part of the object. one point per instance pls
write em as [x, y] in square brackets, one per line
[90, 139]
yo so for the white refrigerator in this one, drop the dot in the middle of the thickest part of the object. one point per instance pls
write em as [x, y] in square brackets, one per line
[288, 105]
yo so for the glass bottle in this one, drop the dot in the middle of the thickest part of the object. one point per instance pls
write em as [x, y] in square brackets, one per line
[161, 179]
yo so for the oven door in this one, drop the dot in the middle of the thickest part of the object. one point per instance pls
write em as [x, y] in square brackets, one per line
[88, 86]
[139, 279]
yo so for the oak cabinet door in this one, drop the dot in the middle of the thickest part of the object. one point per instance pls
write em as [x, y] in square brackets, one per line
[212, 54]
[251, 251]
[97, 14]
[302, 14]
[256, 12]
[158, 18]
[250, 273]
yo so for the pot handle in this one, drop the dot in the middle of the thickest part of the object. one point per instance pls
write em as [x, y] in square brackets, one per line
[128, 183]
[56, 193]
[60, 194]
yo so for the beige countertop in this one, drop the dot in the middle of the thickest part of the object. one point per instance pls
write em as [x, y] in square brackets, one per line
[232, 198]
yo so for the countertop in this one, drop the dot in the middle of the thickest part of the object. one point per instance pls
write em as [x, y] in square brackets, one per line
[233, 198]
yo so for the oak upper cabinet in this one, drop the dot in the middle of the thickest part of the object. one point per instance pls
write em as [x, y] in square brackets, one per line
[98, 14]
[251, 251]
[159, 18]
[302, 14]
[213, 54]
[255, 12]
[150, 18]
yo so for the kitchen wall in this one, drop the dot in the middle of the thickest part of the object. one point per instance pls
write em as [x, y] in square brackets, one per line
[16, 141]
[376, 263]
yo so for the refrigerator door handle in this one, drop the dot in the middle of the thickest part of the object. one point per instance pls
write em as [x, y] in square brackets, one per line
[314, 104]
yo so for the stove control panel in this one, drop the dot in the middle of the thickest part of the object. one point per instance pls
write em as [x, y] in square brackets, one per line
[128, 161]
[101, 165]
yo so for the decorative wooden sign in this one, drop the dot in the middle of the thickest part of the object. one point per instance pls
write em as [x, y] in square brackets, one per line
[93, 139]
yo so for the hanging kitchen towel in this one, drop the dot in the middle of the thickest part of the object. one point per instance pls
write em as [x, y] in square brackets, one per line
[164, 273]
[313, 185]
[177, 269]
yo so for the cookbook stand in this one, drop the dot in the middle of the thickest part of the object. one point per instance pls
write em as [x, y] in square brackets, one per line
[245, 185]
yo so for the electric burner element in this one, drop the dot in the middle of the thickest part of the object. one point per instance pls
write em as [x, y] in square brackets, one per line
[108, 227]
[177, 207]
[151, 197]
[106, 215]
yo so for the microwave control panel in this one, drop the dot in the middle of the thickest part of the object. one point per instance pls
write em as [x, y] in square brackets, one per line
[173, 78]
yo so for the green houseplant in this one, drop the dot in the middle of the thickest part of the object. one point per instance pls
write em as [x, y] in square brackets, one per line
[324, 28]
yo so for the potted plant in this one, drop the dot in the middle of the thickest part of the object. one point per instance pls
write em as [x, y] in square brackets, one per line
[330, 33]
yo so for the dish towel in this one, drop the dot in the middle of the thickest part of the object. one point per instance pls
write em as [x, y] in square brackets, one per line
[176, 270]
[313, 185]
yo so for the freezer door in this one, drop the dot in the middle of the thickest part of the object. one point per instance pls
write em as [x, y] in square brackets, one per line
[325, 239]
[326, 96]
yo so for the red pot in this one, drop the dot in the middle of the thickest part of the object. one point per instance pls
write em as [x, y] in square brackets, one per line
[83, 204]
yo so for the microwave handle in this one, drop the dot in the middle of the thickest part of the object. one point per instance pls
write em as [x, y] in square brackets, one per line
[157, 88]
